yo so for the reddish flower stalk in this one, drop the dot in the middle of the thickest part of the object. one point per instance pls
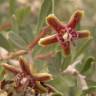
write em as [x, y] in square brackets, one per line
[65, 33]
[35, 41]
[45, 56]
[5, 26]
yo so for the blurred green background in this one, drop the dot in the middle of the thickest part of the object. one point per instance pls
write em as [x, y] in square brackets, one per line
[28, 18]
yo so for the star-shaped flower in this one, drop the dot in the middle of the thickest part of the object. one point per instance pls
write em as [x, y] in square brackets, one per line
[65, 33]
[25, 77]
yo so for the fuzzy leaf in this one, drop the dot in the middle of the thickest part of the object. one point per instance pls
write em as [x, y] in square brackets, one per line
[82, 48]
[89, 90]
[16, 40]
[87, 64]
[21, 14]
[45, 10]
[1, 71]
[12, 6]
[54, 64]
[26, 35]
[4, 42]
[56, 94]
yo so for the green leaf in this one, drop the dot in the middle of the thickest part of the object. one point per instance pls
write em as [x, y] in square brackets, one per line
[46, 8]
[89, 90]
[87, 64]
[56, 94]
[82, 48]
[1, 1]
[21, 14]
[54, 64]
[17, 41]
[1, 70]
[4, 43]
[26, 35]
[66, 60]
[12, 6]
[62, 83]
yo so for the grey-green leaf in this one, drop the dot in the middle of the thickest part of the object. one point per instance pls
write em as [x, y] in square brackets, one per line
[21, 14]
[54, 64]
[56, 94]
[4, 42]
[87, 64]
[17, 40]
[89, 90]
[82, 48]
[12, 6]
[45, 10]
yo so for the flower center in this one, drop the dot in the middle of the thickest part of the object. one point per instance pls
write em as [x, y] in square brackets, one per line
[67, 35]
[24, 80]
[70, 35]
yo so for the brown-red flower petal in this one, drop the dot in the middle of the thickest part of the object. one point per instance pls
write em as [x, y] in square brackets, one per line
[75, 18]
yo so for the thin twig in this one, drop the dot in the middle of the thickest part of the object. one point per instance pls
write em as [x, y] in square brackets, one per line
[35, 41]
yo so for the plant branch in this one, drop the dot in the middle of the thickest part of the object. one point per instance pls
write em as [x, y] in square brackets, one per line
[29, 47]
[35, 41]
[13, 55]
